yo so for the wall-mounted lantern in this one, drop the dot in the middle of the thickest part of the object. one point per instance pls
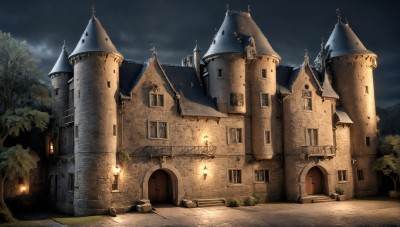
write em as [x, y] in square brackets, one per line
[23, 189]
[117, 170]
[51, 147]
[205, 172]
[206, 140]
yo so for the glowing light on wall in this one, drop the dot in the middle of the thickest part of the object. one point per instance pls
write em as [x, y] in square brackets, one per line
[205, 172]
[51, 147]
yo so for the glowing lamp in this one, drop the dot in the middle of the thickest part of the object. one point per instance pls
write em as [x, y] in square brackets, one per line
[206, 140]
[117, 170]
[23, 189]
[205, 172]
[51, 149]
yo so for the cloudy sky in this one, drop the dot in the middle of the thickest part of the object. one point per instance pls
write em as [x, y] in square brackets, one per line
[291, 26]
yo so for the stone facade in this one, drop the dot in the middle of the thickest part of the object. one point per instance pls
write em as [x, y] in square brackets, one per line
[232, 126]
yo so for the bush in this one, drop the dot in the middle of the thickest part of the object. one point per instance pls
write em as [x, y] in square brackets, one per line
[250, 201]
[257, 198]
[339, 191]
[233, 202]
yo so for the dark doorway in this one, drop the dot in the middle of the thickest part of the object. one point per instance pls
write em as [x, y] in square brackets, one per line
[314, 181]
[160, 187]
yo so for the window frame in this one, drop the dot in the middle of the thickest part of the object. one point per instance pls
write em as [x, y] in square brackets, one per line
[314, 139]
[240, 138]
[262, 94]
[157, 130]
[342, 176]
[368, 141]
[115, 183]
[219, 73]
[71, 182]
[264, 74]
[265, 173]
[362, 178]
[307, 99]
[267, 140]
[157, 99]
[234, 179]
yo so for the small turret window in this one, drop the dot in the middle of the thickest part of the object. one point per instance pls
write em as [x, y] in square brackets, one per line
[368, 141]
[56, 91]
[366, 90]
[237, 99]
[76, 131]
[71, 182]
[264, 73]
[108, 84]
[264, 99]
[267, 135]
[219, 73]
[114, 130]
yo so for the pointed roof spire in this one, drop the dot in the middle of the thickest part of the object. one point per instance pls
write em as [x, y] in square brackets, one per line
[306, 57]
[248, 9]
[343, 41]
[62, 64]
[196, 48]
[328, 91]
[93, 11]
[95, 39]
[153, 49]
[227, 7]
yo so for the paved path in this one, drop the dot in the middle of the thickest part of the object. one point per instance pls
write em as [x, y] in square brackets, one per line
[345, 213]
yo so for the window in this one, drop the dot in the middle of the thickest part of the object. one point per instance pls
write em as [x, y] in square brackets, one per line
[115, 183]
[56, 91]
[360, 175]
[79, 93]
[114, 130]
[71, 182]
[261, 175]
[158, 130]
[156, 100]
[108, 84]
[267, 137]
[366, 90]
[264, 73]
[76, 131]
[235, 135]
[312, 137]
[368, 141]
[342, 175]
[237, 99]
[264, 99]
[219, 73]
[235, 176]
[307, 100]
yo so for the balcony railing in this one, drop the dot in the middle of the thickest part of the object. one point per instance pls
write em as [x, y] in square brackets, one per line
[69, 116]
[327, 151]
[171, 151]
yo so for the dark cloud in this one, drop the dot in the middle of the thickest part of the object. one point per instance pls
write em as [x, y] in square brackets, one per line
[173, 26]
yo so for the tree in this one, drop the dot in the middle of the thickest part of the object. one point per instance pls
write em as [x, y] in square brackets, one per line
[21, 94]
[389, 163]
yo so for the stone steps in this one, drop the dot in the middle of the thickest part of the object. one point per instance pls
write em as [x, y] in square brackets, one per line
[316, 199]
[210, 202]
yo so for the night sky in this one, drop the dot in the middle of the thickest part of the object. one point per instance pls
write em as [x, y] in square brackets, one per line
[173, 26]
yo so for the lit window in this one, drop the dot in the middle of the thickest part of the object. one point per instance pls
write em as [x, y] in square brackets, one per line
[261, 175]
[235, 176]
[342, 175]
[235, 135]
[71, 182]
[312, 137]
[237, 99]
[156, 100]
[360, 175]
[264, 73]
[51, 146]
[307, 100]
[368, 141]
[158, 130]
[267, 137]
[115, 183]
[264, 99]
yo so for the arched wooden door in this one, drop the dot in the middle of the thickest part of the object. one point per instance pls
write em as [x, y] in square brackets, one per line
[314, 181]
[159, 187]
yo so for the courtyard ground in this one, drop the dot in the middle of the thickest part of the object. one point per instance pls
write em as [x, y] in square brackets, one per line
[356, 212]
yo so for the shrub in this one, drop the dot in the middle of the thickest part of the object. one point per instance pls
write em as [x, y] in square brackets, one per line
[250, 201]
[233, 202]
[257, 198]
[339, 191]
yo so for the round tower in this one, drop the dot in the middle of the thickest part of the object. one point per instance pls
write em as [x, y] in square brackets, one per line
[352, 68]
[96, 64]
[61, 73]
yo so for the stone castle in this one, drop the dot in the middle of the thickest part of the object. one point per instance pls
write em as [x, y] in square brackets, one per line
[230, 124]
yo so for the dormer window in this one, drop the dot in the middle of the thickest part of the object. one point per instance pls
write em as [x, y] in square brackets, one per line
[156, 97]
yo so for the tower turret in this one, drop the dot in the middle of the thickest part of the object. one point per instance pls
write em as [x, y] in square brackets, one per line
[196, 62]
[242, 78]
[96, 64]
[352, 68]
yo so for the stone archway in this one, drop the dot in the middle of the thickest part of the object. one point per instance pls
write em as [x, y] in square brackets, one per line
[160, 187]
[175, 189]
[327, 180]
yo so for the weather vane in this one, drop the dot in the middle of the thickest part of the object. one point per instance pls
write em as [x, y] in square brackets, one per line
[338, 14]
[248, 8]
[93, 11]
[64, 46]
[306, 56]
[153, 48]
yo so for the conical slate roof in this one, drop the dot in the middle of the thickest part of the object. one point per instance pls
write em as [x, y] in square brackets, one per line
[95, 39]
[235, 34]
[343, 41]
[62, 64]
